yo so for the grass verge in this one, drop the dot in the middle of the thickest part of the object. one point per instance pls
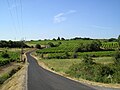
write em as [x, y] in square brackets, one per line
[7, 75]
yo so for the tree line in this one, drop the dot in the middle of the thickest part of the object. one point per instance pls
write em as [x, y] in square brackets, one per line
[81, 38]
[13, 44]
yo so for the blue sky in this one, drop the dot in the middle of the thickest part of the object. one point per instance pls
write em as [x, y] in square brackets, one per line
[40, 19]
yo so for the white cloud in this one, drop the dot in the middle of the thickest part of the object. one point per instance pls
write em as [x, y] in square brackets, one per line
[59, 18]
[62, 16]
[59, 15]
[71, 11]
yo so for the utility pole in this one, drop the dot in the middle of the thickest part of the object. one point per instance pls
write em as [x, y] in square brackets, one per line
[21, 54]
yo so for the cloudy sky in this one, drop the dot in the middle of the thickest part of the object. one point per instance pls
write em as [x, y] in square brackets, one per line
[40, 19]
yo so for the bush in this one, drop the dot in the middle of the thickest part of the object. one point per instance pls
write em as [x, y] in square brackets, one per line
[51, 44]
[12, 72]
[5, 55]
[4, 78]
[95, 72]
[117, 57]
[87, 60]
[4, 62]
[37, 46]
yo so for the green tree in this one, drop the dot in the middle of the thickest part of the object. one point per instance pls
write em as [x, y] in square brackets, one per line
[62, 38]
[95, 45]
[54, 39]
[38, 46]
[58, 38]
[51, 44]
[112, 40]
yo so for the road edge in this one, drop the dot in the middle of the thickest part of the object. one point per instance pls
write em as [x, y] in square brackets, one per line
[26, 73]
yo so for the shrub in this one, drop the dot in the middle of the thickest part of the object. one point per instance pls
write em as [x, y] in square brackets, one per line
[37, 46]
[117, 57]
[12, 72]
[51, 44]
[87, 60]
[95, 72]
[5, 55]
[4, 62]
[3, 78]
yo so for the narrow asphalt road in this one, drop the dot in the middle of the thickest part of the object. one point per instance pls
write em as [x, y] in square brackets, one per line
[41, 79]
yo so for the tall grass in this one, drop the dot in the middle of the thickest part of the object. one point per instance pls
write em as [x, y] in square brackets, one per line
[62, 65]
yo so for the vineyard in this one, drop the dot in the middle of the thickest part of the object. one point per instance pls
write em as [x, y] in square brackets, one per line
[107, 49]
[8, 56]
[68, 46]
[110, 45]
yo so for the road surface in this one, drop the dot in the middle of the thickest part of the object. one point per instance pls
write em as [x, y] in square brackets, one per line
[41, 79]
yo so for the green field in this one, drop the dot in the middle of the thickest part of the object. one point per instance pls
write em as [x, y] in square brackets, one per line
[70, 46]
[8, 55]
[110, 45]
[62, 65]
[106, 45]
[64, 42]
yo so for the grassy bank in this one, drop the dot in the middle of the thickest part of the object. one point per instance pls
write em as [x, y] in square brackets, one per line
[5, 75]
[9, 62]
[62, 65]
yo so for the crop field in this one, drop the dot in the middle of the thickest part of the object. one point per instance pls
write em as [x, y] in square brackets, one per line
[65, 46]
[105, 45]
[79, 54]
[98, 53]
[64, 42]
[8, 56]
[70, 46]
[110, 45]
